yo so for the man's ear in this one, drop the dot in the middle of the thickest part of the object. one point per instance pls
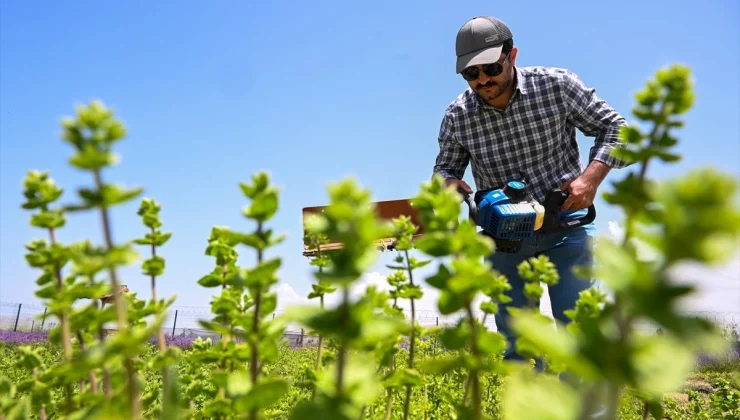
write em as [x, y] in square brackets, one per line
[512, 56]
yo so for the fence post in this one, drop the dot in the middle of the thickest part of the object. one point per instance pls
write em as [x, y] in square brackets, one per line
[17, 316]
[174, 323]
[436, 340]
[43, 319]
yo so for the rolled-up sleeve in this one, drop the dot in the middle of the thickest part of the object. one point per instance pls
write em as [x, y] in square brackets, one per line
[452, 159]
[594, 117]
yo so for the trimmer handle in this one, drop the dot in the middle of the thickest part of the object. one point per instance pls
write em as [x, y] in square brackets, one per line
[472, 206]
[553, 202]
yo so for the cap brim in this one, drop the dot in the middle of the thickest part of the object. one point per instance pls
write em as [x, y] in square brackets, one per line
[488, 55]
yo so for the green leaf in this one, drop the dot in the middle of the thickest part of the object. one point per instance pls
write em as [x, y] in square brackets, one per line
[153, 266]
[311, 410]
[52, 219]
[457, 337]
[109, 196]
[630, 134]
[661, 364]
[263, 207]
[269, 351]
[491, 342]
[90, 158]
[553, 341]
[435, 244]
[266, 393]
[263, 274]
[269, 303]
[210, 280]
[238, 384]
[529, 397]
[489, 308]
[449, 302]
[361, 384]
[440, 366]
[411, 292]
[439, 280]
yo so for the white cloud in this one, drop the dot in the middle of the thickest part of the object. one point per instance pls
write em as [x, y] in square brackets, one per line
[287, 296]
[644, 252]
[717, 287]
[616, 230]
[426, 308]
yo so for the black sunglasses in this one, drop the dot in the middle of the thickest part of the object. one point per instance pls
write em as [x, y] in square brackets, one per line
[490, 69]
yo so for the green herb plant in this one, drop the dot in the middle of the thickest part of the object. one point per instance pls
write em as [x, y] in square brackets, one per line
[455, 371]
[350, 382]
[320, 290]
[461, 281]
[246, 300]
[690, 218]
[405, 288]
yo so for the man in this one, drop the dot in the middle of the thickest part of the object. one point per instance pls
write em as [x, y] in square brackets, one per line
[522, 120]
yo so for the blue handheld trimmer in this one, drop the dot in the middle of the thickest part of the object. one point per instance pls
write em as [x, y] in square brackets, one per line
[507, 217]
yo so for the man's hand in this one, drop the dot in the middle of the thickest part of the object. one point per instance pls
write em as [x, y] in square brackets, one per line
[582, 193]
[582, 190]
[459, 183]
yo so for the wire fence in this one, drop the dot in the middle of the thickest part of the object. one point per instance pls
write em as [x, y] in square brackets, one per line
[183, 321]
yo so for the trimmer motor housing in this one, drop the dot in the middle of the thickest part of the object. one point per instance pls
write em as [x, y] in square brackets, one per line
[508, 217]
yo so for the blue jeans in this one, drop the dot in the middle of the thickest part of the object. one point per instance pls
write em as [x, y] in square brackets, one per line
[565, 250]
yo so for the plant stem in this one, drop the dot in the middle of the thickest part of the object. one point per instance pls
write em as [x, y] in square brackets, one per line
[342, 353]
[388, 403]
[121, 315]
[587, 403]
[321, 339]
[475, 380]
[160, 333]
[93, 381]
[227, 323]
[319, 351]
[64, 319]
[254, 356]
[106, 373]
[42, 412]
[645, 411]
[412, 338]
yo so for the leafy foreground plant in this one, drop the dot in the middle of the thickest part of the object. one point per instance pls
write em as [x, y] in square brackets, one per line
[360, 365]
[693, 218]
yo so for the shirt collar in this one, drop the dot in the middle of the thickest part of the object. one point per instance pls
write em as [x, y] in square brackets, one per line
[521, 89]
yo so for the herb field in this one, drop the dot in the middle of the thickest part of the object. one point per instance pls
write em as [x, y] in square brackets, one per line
[706, 394]
[597, 363]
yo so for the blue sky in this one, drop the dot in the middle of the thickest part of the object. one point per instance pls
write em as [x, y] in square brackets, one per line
[212, 94]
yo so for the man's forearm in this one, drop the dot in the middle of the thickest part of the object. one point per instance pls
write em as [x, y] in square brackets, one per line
[596, 172]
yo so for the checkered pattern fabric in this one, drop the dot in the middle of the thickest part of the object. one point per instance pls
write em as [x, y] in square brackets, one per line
[535, 135]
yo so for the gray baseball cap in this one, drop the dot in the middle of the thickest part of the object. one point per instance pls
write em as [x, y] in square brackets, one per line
[479, 41]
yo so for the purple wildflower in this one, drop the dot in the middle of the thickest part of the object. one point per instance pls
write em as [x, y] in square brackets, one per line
[23, 337]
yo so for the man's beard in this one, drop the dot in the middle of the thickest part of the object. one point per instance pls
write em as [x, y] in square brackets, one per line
[496, 92]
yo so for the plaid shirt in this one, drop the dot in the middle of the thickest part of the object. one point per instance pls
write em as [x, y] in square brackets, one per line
[535, 134]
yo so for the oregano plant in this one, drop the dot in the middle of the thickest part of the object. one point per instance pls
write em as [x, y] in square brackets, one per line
[319, 289]
[246, 300]
[153, 267]
[371, 361]
[690, 218]
[461, 282]
[350, 381]
[41, 192]
[404, 242]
